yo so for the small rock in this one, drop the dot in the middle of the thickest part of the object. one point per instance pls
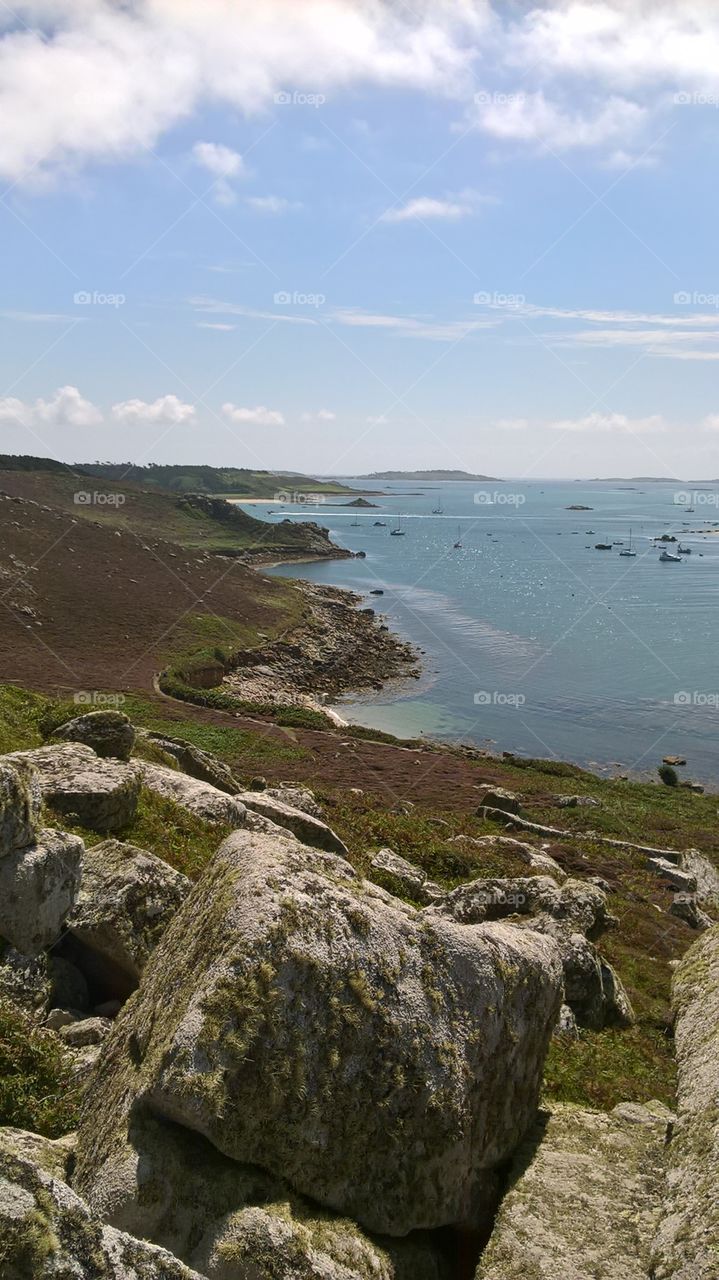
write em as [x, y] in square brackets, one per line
[89, 1031]
[685, 907]
[108, 1009]
[674, 760]
[412, 880]
[58, 1018]
[500, 799]
[682, 880]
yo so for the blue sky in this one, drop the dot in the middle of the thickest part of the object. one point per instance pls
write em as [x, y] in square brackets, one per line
[339, 237]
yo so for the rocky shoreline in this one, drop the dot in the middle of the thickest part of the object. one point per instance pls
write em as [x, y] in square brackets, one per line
[342, 648]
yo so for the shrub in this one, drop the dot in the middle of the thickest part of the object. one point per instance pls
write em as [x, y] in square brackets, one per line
[668, 775]
[37, 1088]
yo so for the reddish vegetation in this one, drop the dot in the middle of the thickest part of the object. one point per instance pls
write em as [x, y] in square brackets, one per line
[86, 607]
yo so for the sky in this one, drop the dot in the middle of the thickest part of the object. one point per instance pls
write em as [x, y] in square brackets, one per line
[340, 236]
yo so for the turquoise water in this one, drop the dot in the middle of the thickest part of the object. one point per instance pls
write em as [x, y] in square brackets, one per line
[534, 641]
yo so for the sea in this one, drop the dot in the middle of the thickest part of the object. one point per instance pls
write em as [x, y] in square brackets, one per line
[534, 641]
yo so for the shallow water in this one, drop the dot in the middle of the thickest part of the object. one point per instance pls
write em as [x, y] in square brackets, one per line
[534, 641]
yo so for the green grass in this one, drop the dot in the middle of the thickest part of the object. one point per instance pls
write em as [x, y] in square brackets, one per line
[603, 1068]
[162, 827]
[245, 750]
[37, 1089]
[20, 712]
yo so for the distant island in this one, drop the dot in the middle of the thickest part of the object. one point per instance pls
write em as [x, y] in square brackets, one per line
[424, 475]
[635, 479]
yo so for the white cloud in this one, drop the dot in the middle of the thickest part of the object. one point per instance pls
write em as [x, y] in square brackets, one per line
[426, 207]
[531, 117]
[100, 81]
[223, 163]
[611, 422]
[219, 160]
[412, 326]
[272, 204]
[222, 328]
[711, 422]
[166, 409]
[67, 408]
[322, 415]
[260, 416]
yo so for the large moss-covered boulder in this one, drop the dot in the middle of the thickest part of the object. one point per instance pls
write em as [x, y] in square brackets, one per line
[48, 1233]
[687, 1244]
[306, 1022]
[109, 733]
[170, 1185]
[99, 794]
[38, 887]
[126, 900]
[572, 914]
[583, 1199]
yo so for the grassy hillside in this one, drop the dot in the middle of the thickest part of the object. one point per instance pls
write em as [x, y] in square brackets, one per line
[182, 478]
[207, 524]
[234, 481]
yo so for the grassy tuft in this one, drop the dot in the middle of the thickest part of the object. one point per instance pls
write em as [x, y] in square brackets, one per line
[37, 1087]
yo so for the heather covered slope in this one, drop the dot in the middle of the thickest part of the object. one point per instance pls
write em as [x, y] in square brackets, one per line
[193, 520]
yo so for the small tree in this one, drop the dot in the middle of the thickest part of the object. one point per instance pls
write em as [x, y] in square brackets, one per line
[668, 775]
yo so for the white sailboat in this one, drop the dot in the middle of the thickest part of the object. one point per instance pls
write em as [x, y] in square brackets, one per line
[628, 551]
[398, 531]
[458, 543]
[439, 509]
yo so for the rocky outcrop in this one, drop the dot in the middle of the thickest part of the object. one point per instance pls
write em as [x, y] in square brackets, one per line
[200, 798]
[20, 803]
[573, 915]
[108, 733]
[687, 1243]
[306, 1022]
[496, 801]
[405, 878]
[295, 796]
[127, 898]
[583, 1198]
[171, 1186]
[38, 887]
[99, 794]
[47, 1231]
[199, 764]
[303, 825]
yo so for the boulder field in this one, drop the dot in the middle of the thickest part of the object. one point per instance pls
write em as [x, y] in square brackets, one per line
[291, 1072]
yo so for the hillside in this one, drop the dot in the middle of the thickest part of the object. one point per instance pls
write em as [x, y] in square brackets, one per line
[195, 521]
[234, 481]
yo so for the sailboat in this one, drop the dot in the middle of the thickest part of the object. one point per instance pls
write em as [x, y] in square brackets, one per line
[439, 509]
[398, 531]
[668, 555]
[458, 543]
[628, 551]
[683, 551]
[355, 523]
